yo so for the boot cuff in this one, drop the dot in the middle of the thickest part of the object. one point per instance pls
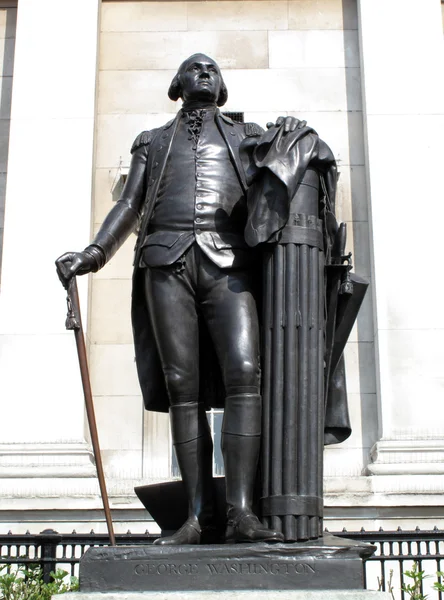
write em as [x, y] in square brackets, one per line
[242, 415]
[188, 422]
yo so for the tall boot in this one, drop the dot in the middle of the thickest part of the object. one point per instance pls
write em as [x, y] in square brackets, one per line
[241, 439]
[194, 450]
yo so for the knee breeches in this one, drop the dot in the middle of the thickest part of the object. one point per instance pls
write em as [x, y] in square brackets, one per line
[195, 289]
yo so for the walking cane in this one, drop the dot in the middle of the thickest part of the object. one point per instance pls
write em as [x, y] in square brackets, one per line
[74, 322]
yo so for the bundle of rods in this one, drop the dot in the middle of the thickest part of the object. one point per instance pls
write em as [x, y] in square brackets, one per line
[293, 390]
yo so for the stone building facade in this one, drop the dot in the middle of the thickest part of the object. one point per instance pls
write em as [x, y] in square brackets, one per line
[87, 78]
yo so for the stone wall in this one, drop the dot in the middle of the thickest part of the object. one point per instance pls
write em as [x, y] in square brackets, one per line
[296, 57]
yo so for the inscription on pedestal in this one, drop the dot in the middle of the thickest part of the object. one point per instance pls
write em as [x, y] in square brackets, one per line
[224, 568]
[237, 567]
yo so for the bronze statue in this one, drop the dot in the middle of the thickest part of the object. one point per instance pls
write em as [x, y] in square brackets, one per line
[195, 287]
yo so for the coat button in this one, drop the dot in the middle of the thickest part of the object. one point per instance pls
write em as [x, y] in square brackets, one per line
[156, 164]
[199, 206]
[198, 220]
[233, 132]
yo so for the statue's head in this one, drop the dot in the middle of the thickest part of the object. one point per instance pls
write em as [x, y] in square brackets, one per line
[199, 78]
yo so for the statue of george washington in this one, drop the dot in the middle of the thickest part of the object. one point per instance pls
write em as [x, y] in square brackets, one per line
[194, 303]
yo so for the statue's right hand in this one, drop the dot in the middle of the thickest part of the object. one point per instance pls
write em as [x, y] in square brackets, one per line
[72, 263]
[289, 123]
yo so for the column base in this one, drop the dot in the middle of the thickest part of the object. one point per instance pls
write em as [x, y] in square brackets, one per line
[407, 457]
[46, 460]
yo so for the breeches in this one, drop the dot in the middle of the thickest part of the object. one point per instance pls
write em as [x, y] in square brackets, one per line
[195, 288]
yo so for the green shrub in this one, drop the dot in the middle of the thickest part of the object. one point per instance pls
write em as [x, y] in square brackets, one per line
[414, 589]
[26, 583]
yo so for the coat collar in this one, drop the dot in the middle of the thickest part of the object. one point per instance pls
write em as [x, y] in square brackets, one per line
[224, 118]
[168, 125]
[232, 141]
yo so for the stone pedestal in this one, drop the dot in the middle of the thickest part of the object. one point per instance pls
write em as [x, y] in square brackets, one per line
[329, 563]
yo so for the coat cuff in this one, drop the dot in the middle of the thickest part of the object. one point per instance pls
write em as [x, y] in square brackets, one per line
[97, 254]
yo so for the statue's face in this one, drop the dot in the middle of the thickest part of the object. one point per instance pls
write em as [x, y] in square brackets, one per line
[200, 79]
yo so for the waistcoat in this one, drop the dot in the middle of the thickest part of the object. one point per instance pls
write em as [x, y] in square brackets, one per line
[200, 199]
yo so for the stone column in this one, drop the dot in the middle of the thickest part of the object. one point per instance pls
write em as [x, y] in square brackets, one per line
[48, 211]
[401, 64]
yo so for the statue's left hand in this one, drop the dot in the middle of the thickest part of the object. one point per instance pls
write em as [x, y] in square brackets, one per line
[290, 124]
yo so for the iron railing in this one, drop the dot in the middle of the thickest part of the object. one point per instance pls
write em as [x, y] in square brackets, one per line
[396, 552]
[52, 550]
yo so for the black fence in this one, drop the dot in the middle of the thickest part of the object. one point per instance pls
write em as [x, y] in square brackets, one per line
[396, 552]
